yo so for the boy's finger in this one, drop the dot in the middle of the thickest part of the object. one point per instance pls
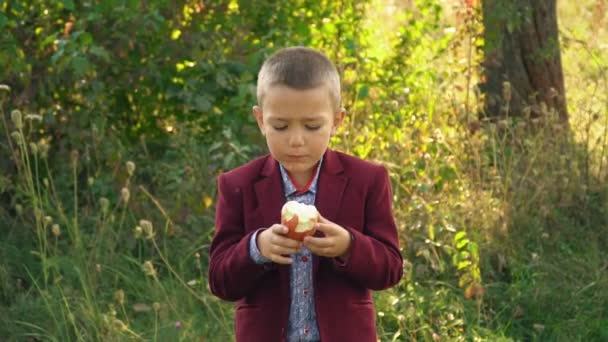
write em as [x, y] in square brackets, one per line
[279, 259]
[326, 227]
[320, 251]
[279, 229]
[282, 241]
[313, 242]
[323, 219]
[282, 250]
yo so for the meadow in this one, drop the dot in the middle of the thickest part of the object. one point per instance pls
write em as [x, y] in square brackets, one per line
[118, 117]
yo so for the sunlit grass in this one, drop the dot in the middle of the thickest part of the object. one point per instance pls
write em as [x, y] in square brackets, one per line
[503, 228]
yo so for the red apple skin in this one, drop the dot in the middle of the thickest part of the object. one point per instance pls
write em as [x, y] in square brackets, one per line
[291, 224]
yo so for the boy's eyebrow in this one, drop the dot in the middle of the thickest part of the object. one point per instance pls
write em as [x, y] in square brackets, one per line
[309, 118]
[314, 118]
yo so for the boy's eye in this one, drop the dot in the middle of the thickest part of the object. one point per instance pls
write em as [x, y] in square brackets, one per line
[312, 128]
[280, 128]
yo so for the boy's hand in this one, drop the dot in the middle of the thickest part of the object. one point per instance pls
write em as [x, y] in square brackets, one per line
[335, 243]
[274, 245]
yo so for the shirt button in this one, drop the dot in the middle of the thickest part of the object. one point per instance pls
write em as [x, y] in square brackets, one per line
[304, 258]
[306, 330]
[305, 292]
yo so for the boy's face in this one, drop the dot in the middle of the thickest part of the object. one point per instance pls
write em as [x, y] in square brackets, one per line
[298, 125]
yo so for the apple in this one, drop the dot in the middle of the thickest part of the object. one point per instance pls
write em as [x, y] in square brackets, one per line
[300, 219]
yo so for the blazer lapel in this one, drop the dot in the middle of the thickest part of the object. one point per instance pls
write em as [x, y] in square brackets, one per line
[269, 193]
[270, 199]
[332, 183]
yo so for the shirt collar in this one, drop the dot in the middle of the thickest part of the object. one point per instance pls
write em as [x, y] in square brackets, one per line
[290, 188]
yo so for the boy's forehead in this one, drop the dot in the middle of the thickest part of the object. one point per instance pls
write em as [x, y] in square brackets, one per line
[281, 94]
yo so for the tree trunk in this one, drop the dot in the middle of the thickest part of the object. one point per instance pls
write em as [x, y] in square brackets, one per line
[523, 68]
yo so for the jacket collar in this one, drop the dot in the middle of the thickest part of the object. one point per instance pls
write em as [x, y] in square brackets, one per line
[331, 185]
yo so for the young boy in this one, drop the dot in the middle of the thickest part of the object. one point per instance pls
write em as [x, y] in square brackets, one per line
[318, 289]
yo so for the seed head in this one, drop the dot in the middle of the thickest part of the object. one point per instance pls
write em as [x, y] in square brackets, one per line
[17, 136]
[130, 168]
[119, 296]
[125, 195]
[120, 325]
[34, 148]
[138, 232]
[17, 118]
[105, 204]
[149, 269]
[43, 148]
[147, 228]
[33, 117]
[56, 230]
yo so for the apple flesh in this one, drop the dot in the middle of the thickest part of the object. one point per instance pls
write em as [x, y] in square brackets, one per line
[300, 219]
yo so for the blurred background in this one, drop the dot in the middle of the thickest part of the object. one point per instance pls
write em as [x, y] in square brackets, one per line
[118, 115]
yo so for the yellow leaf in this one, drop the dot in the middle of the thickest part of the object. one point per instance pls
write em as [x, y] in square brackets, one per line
[207, 201]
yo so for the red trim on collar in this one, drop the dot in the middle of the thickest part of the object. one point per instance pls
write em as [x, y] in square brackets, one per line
[302, 190]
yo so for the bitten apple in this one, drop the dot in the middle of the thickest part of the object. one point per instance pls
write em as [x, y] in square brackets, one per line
[300, 219]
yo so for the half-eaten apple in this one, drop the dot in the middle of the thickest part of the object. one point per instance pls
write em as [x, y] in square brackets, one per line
[300, 219]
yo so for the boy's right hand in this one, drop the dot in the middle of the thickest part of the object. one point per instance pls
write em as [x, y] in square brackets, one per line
[275, 245]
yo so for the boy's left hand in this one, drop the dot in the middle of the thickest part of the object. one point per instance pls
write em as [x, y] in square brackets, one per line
[335, 243]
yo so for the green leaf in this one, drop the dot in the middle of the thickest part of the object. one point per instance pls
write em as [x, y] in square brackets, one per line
[80, 64]
[69, 5]
[460, 244]
[100, 52]
[363, 92]
[202, 103]
[447, 173]
[3, 21]
[464, 264]
[459, 236]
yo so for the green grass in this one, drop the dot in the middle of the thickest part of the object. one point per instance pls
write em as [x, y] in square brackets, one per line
[504, 231]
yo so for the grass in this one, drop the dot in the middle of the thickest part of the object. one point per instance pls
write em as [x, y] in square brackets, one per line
[503, 230]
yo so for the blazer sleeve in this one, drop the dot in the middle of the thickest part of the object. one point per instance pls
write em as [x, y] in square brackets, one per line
[375, 260]
[232, 272]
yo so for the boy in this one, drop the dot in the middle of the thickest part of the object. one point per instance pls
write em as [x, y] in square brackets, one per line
[318, 289]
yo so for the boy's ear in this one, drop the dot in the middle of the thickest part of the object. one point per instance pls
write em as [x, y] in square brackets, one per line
[257, 112]
[338, 118]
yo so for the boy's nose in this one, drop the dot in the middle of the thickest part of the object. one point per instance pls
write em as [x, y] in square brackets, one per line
[296, 140]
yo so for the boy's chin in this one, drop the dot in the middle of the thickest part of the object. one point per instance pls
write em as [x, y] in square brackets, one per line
[297, 167]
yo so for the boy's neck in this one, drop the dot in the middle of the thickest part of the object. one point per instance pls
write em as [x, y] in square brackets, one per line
[300, 180]
[303, 180]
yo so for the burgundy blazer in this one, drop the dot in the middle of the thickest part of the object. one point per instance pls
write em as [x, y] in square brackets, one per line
[352, 193]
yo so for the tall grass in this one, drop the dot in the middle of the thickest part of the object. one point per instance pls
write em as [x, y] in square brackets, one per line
[94, 270]
[504, 225]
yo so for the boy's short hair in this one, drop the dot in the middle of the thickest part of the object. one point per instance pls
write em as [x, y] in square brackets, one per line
[299, 68]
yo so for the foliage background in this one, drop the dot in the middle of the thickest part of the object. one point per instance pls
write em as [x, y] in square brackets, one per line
[503, 224]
